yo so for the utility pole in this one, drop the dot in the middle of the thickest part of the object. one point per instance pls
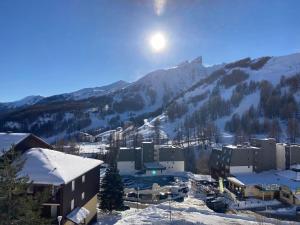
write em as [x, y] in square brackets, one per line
[264, 200]
[169, 198]
[137, 201]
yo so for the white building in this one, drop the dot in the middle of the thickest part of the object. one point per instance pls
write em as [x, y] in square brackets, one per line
[152, 160]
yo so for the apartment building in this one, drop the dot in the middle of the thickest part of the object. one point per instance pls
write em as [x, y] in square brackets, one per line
[150, 158]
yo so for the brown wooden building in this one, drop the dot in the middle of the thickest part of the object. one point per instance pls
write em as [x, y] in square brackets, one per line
[73, 180]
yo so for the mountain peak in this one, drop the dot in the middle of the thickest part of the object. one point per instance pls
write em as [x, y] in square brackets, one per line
[198, 60]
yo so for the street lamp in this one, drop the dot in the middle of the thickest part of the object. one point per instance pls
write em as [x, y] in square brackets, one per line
[59, 218]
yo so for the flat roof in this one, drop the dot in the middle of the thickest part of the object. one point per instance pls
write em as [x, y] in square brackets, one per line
[200, 177]
[95, 147]
[240, 147]
[235, 180]
[283, 178]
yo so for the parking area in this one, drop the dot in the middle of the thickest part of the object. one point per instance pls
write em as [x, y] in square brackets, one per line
[146, 182]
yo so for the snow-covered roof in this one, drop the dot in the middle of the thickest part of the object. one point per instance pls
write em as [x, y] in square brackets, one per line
[200, 177]
[231, 146]
[235, 180]
[7, 140]
[78, 215]
[290, 174]
[168, 146]
[106, 133]
[284, 177]
[295, 166]
[240, 147]
[96, 147]
[45, 166]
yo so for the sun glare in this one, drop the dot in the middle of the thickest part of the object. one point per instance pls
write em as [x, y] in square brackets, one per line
[158, 42]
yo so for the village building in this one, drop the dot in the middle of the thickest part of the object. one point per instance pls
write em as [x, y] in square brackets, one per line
[257, 156]
[92, 150]
[150, 158]
[283, 185]
[262, 169]
[232, 159]
[72, 180]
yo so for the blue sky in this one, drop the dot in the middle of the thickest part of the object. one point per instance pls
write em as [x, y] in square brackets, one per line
[54, 46]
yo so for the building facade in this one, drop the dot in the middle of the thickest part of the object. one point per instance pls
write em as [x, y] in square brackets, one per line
[232, 159]
[257, 156]
[150, 157]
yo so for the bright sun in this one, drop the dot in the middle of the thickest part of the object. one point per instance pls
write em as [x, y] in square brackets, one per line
[158, 42]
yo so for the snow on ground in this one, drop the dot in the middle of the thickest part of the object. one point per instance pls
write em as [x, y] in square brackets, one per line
[254, 203]
[278, 66]
[191, 211]
[252, 99]
[96, 147]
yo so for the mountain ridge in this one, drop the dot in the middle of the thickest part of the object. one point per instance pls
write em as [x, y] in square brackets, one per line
[189, 84]
[75, 95]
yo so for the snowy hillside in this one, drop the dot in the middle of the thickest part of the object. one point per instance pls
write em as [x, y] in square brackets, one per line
[233, 89]
[96, 91]
[264, 92]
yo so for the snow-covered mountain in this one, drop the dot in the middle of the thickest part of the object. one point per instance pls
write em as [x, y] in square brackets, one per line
[158, 87]
[29, 100]
[247, 92]
[76, 95]
[189, 94]
[96, 91]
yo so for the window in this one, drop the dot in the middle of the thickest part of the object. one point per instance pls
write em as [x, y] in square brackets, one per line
[73, 185]
[83, 178]
[30, 189]
[53, 211]
[72, 204]
[82, 195]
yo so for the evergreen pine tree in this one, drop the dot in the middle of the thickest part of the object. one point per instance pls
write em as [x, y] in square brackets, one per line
[111, 191]
[17, 207]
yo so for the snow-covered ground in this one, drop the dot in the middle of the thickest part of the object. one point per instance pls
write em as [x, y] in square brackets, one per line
[254, 203]
[191, 211]
[95, 147]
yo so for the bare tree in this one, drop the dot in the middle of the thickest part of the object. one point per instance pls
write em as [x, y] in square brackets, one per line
[293, 129]
[275, 130]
